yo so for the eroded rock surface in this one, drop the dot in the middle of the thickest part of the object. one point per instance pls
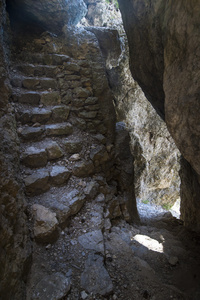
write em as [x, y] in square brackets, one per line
[166, 68]
[15, 254]
[60, 12]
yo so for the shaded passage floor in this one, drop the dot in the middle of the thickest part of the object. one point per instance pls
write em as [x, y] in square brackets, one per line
[157, 259]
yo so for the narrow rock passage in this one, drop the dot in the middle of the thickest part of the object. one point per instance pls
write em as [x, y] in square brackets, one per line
[76, 188]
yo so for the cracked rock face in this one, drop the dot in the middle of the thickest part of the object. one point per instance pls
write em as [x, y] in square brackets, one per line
[60, 12]
[167, 68]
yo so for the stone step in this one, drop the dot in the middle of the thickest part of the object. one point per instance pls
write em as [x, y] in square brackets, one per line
[34, 157]
[29, 133]
[58, 113]
[42, 179]
[37, 70]
[59, 129]
[36, 97]
[34, 83]
[44, 59]
[29, 97]
[35, 115]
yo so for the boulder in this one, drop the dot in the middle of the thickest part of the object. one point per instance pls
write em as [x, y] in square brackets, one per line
[68, 205]
[53, 151]
[45, 224]
[51, 287]
[95, 278]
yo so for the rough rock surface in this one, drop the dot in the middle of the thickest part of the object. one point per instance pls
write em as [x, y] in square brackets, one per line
[95, 278]
[102, 13]
[56, 286]
[45, 223]
[66, 133]
[60, 12]
[156, 158]
[14, 239]
[167, 67]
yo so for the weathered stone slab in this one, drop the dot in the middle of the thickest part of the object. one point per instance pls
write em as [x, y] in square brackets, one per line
[29, 97]
[99, 153]
[48, 83]
[60, 113]
[68, 205]
[37, 183]
[59, 175]
[30, 83]
[91, 189]
[88, 114]
[92, 241]
[83, 168]
[45, 224]
[50, 98]
[34, 157]
[73, 146]
[59, 129]
[40, 115]
[52, 287]
[81, 92]
[53, 151]
[95, 278]
[31, 133]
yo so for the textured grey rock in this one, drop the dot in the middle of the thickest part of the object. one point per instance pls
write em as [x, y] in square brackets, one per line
[95, 278]
[29, 97]
[31, 133]
[34, 157]
[53, 151]
[93, 241]
[164, 71]
[59, 175]
[68, 205]
[73, 146]
[37, 183]
[91, 189]
[45, 224]
[60, 12]
[83, 169]
[35, 115]
[59, 129]
[60, 113]
[52, 287]
[50, 98]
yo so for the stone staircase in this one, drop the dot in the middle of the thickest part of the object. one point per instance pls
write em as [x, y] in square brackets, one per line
[61, 131]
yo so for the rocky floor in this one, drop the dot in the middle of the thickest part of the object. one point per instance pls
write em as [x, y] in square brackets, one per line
[94, 259]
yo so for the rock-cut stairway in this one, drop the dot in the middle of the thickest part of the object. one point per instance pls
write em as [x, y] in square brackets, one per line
[41, 118]
[61, 132]
[65, 160]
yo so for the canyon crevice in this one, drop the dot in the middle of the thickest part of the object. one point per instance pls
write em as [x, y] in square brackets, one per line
[79, 142]
[163, 36]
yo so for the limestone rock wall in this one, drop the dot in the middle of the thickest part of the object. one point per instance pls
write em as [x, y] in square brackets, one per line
[156, 158]
[51, 15]
[102, 13]
[14, 240]
[163, 36]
